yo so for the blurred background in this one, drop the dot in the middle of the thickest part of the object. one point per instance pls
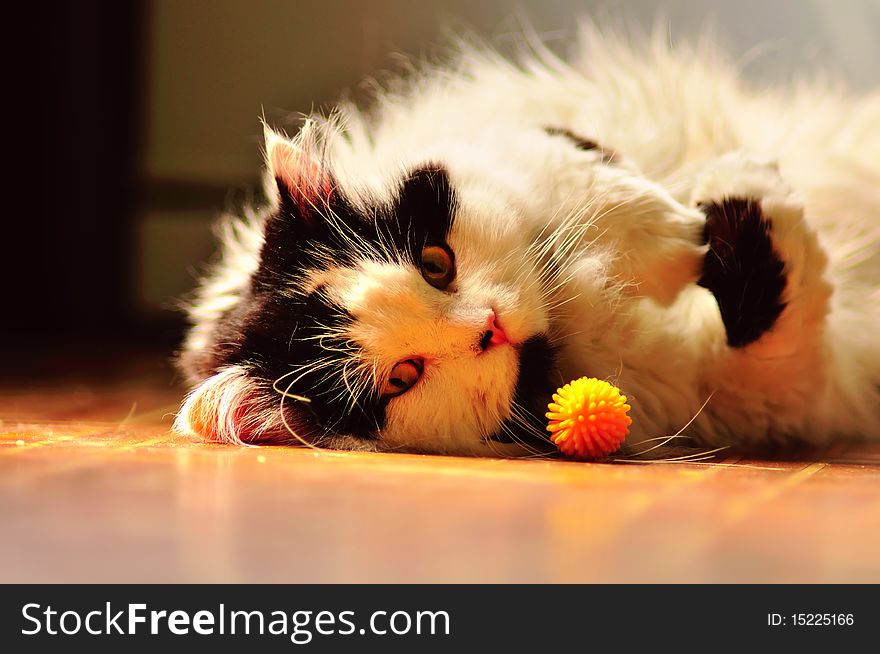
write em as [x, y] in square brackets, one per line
[133, 124]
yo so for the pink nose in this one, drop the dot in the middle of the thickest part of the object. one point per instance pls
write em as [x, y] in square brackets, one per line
[498, 336]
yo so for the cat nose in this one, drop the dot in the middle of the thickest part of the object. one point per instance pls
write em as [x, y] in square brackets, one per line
[493, 334]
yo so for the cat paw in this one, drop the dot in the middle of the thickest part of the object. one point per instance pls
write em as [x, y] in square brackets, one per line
[661, 242]
[657, 242]
[674, 257]
[742, 269]
[765, 266]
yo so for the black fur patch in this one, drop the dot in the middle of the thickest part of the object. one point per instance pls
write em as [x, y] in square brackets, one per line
[421, 215]
[275, 330]
[742, 270]
[535, 386]
[581, 143]
[424, 211]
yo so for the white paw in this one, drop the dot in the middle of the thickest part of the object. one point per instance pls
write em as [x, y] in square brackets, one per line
[660, 241]
[674, 256]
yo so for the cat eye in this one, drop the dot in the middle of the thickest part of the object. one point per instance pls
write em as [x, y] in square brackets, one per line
[438, 265]
[403, 376]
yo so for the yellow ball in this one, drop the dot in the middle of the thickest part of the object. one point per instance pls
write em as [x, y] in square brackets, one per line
[587, 418]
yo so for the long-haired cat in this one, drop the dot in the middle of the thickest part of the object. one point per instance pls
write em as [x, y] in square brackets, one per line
[427, 272]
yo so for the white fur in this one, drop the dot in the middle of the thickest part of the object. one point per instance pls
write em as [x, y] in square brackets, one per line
[623, 306]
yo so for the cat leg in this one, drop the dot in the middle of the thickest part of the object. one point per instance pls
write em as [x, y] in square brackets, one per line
[767, 272]
[656, 243]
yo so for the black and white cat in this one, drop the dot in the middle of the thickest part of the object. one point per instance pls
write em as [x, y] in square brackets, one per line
[427, 273]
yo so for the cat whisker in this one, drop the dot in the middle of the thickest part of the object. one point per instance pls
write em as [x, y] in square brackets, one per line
[664, 440]
[283, 416]
[522, 417]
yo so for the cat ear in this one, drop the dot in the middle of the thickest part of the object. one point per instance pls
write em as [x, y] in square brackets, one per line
[231, 407]
[298, 170]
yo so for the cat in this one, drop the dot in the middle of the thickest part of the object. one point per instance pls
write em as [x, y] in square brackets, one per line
[426, 273]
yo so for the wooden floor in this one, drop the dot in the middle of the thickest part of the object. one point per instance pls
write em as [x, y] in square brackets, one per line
[95, 489]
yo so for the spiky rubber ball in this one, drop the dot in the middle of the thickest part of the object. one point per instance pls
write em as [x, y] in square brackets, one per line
[587, 418]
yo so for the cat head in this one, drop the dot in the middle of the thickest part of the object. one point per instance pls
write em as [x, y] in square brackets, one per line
[404, 315]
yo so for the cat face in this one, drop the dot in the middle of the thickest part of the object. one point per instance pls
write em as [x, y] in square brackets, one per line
[415, 321]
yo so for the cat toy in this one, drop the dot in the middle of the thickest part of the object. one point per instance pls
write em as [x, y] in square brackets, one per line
[587, 418]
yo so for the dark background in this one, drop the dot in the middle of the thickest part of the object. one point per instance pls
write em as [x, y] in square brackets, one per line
[133, 124]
